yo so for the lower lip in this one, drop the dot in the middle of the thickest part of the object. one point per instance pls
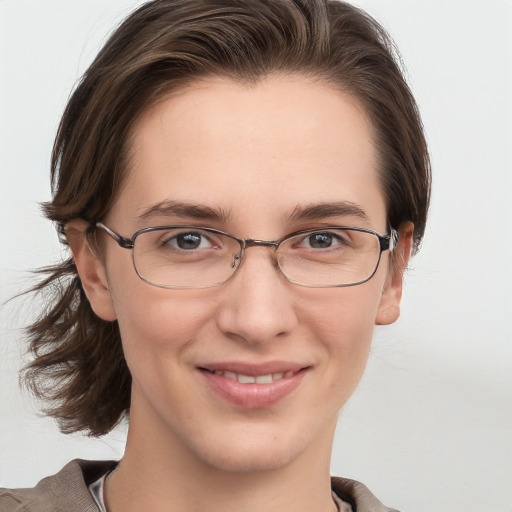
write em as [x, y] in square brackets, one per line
[253, 396]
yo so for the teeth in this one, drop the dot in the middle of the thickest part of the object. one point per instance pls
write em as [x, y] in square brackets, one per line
[249, 379]
[246, 379]
[264, 379]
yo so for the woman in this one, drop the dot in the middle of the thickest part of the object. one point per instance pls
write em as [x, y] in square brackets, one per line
[241, 185]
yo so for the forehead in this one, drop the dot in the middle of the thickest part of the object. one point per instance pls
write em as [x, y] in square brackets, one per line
[257, 151]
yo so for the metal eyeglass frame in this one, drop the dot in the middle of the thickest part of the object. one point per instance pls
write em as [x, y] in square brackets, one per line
[386, 243]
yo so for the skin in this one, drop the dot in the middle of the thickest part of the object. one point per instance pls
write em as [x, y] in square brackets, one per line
[257, 154]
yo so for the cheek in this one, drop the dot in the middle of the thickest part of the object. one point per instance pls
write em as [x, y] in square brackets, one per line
[158, 321]
[345, 317]
[158, 334]
[343, 321]
[155, 323]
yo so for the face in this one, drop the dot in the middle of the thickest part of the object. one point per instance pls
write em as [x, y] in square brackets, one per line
[243, 160]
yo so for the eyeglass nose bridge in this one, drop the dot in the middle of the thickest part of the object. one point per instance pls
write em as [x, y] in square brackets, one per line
[251, 242]
[245, 243]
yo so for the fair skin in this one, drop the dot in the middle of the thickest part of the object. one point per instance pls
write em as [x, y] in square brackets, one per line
[255, 154]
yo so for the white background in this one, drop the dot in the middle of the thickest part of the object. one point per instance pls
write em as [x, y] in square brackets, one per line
[430, 427]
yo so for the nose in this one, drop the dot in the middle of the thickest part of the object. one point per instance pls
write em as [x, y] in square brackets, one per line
[259, 303]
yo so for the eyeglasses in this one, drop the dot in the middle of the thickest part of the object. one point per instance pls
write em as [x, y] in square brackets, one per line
[185, 257]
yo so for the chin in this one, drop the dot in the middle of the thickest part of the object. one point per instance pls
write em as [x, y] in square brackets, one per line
[250, 460]
[253, 450]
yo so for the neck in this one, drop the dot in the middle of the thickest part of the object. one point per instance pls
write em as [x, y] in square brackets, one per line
[159, 473]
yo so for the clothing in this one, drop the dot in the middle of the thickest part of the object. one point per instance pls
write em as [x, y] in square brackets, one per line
[98, 486]
[68, 491]
[97, 490]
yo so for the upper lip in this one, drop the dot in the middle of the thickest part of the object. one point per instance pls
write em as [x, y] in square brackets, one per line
[254, 369]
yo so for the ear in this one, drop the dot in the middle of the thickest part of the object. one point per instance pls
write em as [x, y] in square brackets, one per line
[389, 307]
[90, 269]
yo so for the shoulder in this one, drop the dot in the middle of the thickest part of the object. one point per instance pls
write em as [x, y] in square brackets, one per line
[357, 495]
[66, 491]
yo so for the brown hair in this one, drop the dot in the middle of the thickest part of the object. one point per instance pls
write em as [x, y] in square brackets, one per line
[79, 368]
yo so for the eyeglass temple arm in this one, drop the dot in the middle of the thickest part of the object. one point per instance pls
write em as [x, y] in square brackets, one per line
[389, 242]
[61, 233]
[123, 242]
[126, 243]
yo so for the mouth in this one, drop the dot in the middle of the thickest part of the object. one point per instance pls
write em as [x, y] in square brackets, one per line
[252, 379]
[253, 387]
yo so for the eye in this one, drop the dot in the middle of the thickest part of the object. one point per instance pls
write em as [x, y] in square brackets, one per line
[188, 241]
[322, 240]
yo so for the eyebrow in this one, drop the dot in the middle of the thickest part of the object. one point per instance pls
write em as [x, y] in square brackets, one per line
[182, 209]
[169, 208]
[326, 210]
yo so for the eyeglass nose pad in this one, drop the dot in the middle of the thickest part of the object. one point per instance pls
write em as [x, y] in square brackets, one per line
[237, 258]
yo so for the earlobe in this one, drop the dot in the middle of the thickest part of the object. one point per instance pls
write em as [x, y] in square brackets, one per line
[389, 307]
[91, 270]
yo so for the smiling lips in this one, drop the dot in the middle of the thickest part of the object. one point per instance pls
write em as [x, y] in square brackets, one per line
[258, 379]
[253, 388]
